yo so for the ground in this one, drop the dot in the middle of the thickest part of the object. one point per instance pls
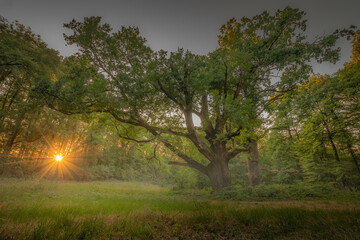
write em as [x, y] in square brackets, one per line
[127, 210]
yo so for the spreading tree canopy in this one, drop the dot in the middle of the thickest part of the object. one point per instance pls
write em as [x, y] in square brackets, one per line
[320, 120]
[229, 90]
[24, 57]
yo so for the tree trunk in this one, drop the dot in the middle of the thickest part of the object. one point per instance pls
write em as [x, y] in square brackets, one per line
[253, 164]
[352, 153]
[219, 174]
[17, 129]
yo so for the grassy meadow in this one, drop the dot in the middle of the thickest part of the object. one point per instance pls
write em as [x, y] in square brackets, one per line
[129, 210]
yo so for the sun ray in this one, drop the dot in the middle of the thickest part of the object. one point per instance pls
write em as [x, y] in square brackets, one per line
[46, 140]
[72, 170]
[46, 170]
[76, 168]
[60, 171]
[46, 161]
[67, 171]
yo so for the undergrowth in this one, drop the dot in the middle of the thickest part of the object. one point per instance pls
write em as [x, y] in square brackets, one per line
[119, 210]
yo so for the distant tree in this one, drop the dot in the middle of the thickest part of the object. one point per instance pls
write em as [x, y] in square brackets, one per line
[228, 90]
[321, 118]
[24, 57]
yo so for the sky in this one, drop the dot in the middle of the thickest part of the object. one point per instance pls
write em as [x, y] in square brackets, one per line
[169, 24]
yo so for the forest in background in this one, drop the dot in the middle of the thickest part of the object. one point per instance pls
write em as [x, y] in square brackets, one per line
[118, 110]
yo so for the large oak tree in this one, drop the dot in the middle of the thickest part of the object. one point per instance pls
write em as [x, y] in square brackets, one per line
[228, 91]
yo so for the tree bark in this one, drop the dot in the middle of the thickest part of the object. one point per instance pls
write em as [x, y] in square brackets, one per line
[352, 153]
[219, 174]
[17, 129]
[253, 164]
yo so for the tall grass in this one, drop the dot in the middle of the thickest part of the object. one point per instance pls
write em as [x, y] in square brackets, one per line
[119, 210]
[301, 191]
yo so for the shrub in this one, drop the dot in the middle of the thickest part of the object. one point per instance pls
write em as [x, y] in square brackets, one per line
[300, 191]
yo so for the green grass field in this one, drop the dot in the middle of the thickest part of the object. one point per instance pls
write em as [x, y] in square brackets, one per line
[128, 210]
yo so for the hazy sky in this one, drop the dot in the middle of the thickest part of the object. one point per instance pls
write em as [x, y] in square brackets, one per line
[169, 24]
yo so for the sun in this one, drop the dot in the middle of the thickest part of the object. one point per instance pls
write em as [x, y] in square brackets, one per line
[58, 158]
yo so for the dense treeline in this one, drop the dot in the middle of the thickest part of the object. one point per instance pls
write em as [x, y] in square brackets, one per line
[316, 128]
[117, 109]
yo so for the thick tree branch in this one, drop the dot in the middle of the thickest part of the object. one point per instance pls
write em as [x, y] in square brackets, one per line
[170, 131]
[205, 121]
[234, 134]
[132, 139]
[135, 140]
[225, 80]
[234, 152]
[179, 164]
[193, 136]
[238, 89]
[118, 118]
[192, 163]
[172, 98]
